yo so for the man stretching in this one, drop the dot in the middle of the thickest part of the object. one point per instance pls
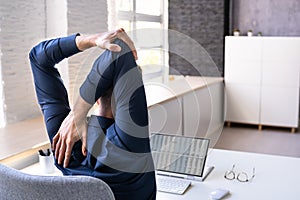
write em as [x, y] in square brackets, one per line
[114, 144]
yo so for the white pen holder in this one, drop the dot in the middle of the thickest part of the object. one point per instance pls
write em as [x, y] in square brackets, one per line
[47, 164]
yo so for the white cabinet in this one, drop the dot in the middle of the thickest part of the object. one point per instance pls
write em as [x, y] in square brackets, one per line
[242, 103]
[262, 80]
[243, 61]
[243, 79]
[279, 106]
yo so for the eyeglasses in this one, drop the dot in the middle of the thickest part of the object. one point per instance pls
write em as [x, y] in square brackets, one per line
[242, 176]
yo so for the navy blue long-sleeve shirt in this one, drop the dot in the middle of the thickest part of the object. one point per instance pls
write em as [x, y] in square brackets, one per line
[118, 150]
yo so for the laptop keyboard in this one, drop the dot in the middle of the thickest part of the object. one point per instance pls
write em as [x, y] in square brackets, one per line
[172, 185]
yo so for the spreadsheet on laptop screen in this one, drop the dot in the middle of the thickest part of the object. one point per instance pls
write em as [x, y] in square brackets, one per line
[179, 154]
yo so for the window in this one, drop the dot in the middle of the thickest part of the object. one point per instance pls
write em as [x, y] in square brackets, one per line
[146, 23]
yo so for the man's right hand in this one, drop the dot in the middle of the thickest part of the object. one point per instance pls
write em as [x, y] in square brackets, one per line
[65, 139]
[72, 129]
[104, 41]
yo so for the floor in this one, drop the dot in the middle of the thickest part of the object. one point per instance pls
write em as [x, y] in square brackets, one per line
[270, 140]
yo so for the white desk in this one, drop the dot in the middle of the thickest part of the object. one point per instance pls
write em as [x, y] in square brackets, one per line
[157, 93]
[276, 177]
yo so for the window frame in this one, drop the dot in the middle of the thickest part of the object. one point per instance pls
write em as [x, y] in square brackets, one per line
[133, 17]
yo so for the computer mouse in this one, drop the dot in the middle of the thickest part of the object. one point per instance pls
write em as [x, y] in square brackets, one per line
[219, 194]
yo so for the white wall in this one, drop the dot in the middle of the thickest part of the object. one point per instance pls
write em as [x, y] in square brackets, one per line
[22, 25]
[271, 17]
[85, 17]
[56, 26]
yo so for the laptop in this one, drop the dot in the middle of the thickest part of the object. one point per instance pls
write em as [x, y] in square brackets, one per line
[180, 156]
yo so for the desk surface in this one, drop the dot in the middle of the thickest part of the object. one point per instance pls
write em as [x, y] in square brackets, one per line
[276, 177]
[22, 137]
[161, 92]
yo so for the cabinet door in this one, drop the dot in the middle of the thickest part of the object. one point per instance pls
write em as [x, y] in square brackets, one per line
[280, 73]
[242, 103]
[243, 60]
[281, 48]
[279, 106]
[281, 62]
[166, 117]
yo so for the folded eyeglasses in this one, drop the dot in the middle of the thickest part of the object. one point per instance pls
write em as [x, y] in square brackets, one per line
[242, 176]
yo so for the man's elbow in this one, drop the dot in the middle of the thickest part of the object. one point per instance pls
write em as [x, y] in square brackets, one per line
[125, 48]
[37, 55]
[32, 55]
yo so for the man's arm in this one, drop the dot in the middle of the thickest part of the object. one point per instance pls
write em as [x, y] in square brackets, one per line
[51, 93]
[50, 52]
[104, 41]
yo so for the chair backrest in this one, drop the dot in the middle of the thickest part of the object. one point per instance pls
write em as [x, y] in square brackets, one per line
[17, 185]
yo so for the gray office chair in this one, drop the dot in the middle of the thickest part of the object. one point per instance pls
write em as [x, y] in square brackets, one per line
[17, 185]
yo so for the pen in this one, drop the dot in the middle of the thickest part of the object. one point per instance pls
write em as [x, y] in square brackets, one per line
[41, 153]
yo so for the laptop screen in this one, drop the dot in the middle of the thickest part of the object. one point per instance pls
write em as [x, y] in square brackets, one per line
[179, 154]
